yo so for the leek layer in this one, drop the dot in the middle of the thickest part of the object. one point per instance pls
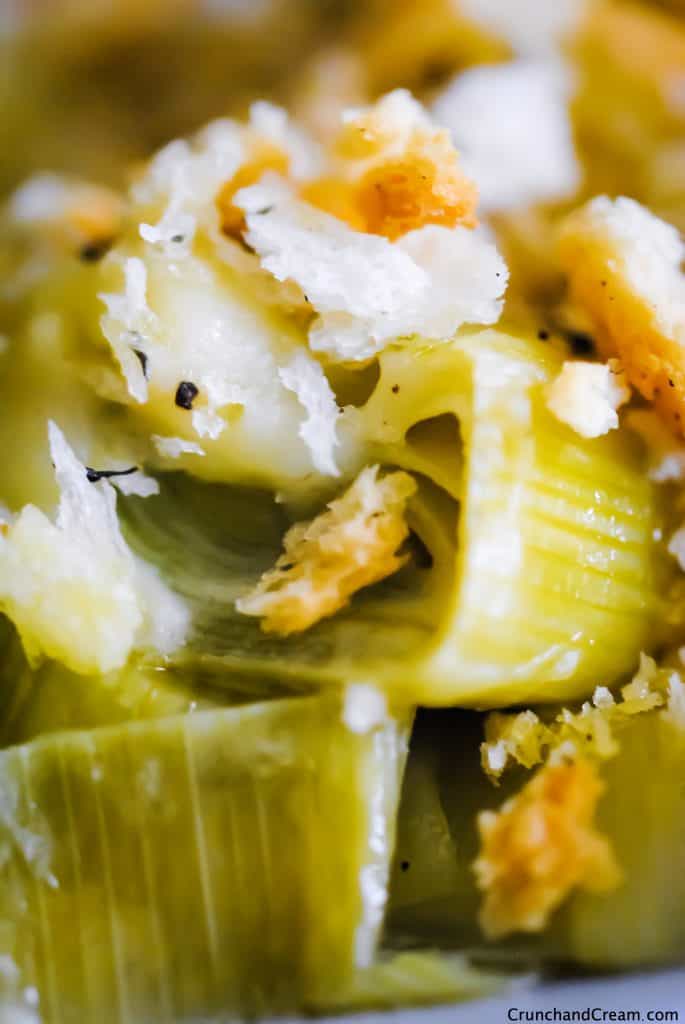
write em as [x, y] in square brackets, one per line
[543, 575]
[232, 861]
[433, 894]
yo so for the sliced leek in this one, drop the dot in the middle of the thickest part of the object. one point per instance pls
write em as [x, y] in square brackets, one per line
[545, 576]
[230, 862]
[640, 922]
[51, 698]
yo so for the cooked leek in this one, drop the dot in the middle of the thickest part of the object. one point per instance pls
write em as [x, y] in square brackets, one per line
[232, 861]
[51, 698]
[637, 923]
[544, 579]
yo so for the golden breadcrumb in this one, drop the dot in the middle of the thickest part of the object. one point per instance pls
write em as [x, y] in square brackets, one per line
[423, 187]
[541, 845]
[411, 175]
[590, 732]
[265, 156]
[397, 172]
[325, 561]
[623, 266]
[337, 197]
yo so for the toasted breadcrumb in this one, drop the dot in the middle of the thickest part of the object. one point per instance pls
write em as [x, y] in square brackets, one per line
[73, 587]
[624, 268]
[366, 290]
[402, 171]
[586, 396]
[265, 156]
[527, 740]
[325, 561]
[539, 846]
[337, 197]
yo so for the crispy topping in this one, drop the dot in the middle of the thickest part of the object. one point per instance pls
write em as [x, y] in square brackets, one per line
[265, 156]
[586, 396]
[624, 269]
[325, 561]
[397, 172]
[527, 740]
[540, 846]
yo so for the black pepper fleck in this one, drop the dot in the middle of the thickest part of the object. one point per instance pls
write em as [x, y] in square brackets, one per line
[91, 252]
[178, 239]
[581, 343]
[543, 335]
[264, 210]
[186, 393]
[405, 865]
[142, 359]
[395, 388]
[94, 475]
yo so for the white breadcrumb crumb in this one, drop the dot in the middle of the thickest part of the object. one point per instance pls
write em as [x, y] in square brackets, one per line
[350, 545]
[665, 452]
[625, 269]
[364, 708]
[525, 739]
[498, 116]
[174, 447]
[184, 179]
[270, 122]
[73, 588]
[540, 846]
[586, 396]
[384, 127]
[138, 483]
[125, 323]
[366, 289]
[530, 28]
[647, 251]
[305, 377]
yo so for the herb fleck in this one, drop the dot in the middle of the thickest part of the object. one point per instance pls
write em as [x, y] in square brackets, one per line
[94, 475]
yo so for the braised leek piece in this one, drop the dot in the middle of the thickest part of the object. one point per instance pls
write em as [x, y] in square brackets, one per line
[541, 577]
[643, 920]
[51, 698]
[639, 819]
[233, 861]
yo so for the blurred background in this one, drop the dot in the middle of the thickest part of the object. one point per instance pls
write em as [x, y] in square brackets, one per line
[90, 87]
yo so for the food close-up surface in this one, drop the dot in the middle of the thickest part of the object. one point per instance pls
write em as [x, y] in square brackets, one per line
[342, 508]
